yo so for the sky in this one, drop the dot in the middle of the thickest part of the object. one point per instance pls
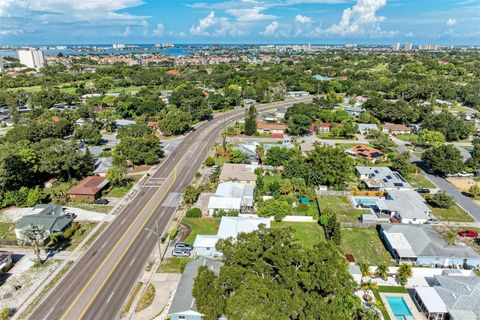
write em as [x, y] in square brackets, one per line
[37, 22]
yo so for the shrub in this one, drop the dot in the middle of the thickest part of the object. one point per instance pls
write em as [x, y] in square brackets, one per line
[194, 213]
[226, 213]
[209, 161]
[173, 234]
[441, 200]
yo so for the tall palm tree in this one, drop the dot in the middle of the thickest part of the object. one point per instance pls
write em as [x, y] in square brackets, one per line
[364, 269]
[382, 271]
[404, 272]
[34, 235]
[260, 152]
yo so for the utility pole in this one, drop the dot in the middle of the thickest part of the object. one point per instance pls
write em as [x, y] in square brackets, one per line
[159, 237]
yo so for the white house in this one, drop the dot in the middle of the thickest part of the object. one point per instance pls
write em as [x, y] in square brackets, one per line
[231, 196]
[204, 245]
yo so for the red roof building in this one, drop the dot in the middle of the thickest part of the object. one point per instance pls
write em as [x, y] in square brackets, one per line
[89, 188]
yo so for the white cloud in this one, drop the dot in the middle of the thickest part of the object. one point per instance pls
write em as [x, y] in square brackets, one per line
[361, 19]
[126, 32]
[203, 25]
[270, 29]
[409, 34]
[302, 19]
[250, 14]
[159, 29]
[451, 22]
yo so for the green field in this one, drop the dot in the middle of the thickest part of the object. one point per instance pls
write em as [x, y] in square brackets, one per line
[454, 214]
[407, 137]
[420, 181]
[173, 265]
[341, 207]
[7, 230]
[308, 233]
[365, 245]
[119, 192]
[201, 226]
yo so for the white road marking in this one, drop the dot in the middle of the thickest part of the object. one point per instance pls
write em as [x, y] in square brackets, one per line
[133, 260]
[110, 297]
[123, 220]
[51, 310]
[104, 244]
[149, 234]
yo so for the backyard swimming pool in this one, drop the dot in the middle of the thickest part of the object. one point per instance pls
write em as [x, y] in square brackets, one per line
[365, 202]
[400, 308]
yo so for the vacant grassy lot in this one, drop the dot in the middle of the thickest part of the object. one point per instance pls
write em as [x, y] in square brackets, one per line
[201, 226]
[119, 192]
[342, 207]
[173, 265]
[7, 230]
[89, 206]
[365, 245]
[308, 233]
[454, 214]
[407, 137]
[420, 181]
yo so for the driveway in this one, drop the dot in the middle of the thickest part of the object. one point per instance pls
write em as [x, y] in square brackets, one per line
[463, 201]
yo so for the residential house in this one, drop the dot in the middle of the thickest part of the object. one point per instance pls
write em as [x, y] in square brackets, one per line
[395, 129]
[123, 122]
[238, 172]
[319, 77]
[297, 94]
[277, 130]
[89, 188]
[280, 114]
[382, 178]
[51, 217]
[364, 128]
[354, 111]
[453, 297]
[424, 246]
[323, 127]
[231, 196]
[102, 165]
[230, 227]
[6, 261]
[183, 304]
[371, 154]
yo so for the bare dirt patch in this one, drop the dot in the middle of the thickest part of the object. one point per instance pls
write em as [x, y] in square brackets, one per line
[463, 184]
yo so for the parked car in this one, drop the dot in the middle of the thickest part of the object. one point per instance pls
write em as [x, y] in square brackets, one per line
[433, 221]
[465, 174]
[181, 253]
[102, 201]
[422, 190]
[468, 234]
[183, 245]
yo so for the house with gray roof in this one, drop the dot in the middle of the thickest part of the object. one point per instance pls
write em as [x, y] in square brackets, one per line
[365, 127]
[382, 179]
[454, 297]
[51, 217]
[231, 196]
[423, 245]
[183, 304]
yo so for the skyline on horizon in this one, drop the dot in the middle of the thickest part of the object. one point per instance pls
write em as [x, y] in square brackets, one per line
[380, 22]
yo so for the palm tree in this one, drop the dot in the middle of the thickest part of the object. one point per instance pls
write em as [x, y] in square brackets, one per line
[364, 269]
[34, 235]
[451, 237]
[382, 271]
[260, 152]
[404, 272]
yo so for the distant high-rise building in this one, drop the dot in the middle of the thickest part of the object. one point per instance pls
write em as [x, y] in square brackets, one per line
[428, 47]
[396, 46]
[408, 47]
[1, 65]
[32, 58]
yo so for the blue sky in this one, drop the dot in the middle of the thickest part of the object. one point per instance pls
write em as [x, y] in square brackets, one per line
[240, 21]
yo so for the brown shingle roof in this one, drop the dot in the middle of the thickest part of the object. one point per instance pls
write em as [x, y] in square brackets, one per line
[89, 186]
[395, 127]
[270, 126]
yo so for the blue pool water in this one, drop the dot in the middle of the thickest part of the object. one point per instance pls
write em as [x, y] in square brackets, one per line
[399, 308]
[367, 202]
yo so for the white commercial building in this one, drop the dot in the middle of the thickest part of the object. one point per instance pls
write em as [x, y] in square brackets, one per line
[231, 196]
[32, 58]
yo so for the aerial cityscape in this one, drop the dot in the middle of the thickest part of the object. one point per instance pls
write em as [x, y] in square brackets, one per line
[253, 159]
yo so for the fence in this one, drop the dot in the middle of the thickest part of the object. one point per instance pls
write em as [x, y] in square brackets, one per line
[358, 225]
[332, 193]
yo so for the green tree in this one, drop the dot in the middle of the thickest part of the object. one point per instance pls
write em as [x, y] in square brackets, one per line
[474, 190]
[190, 195]
[444, 159]
[210, 161]
[34, 235]
[116, 175]
[278, 156]
[402, 163]
[141, 150]
[237, 156]
[274, 208]
[207, 294]
[404, 273]
[251, 121]
[441, 199]
[299, 124]
[382, 271]
[175, 122]
[429, 138]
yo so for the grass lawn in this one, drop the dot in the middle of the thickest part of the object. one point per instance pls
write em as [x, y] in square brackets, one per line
[147, 298]
[89, 206]
[84, 229]
[365, 245]
[271, 179]
[329, 136]
[201, 226]
[220, 161]
[407, 137]
[127, 89]
[382, 307]
[342, 207]
[128, 305]
[173, 265]
[420, 181]
[392, 289]
[350, 145]
[308, 233]
[119, 192]
[7, 230]
[455, 214]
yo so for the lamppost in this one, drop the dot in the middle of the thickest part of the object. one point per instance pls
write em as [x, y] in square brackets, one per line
[159, 237]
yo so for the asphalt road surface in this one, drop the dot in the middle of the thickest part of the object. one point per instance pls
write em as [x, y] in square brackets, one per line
[463, 201]
[99, 282]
